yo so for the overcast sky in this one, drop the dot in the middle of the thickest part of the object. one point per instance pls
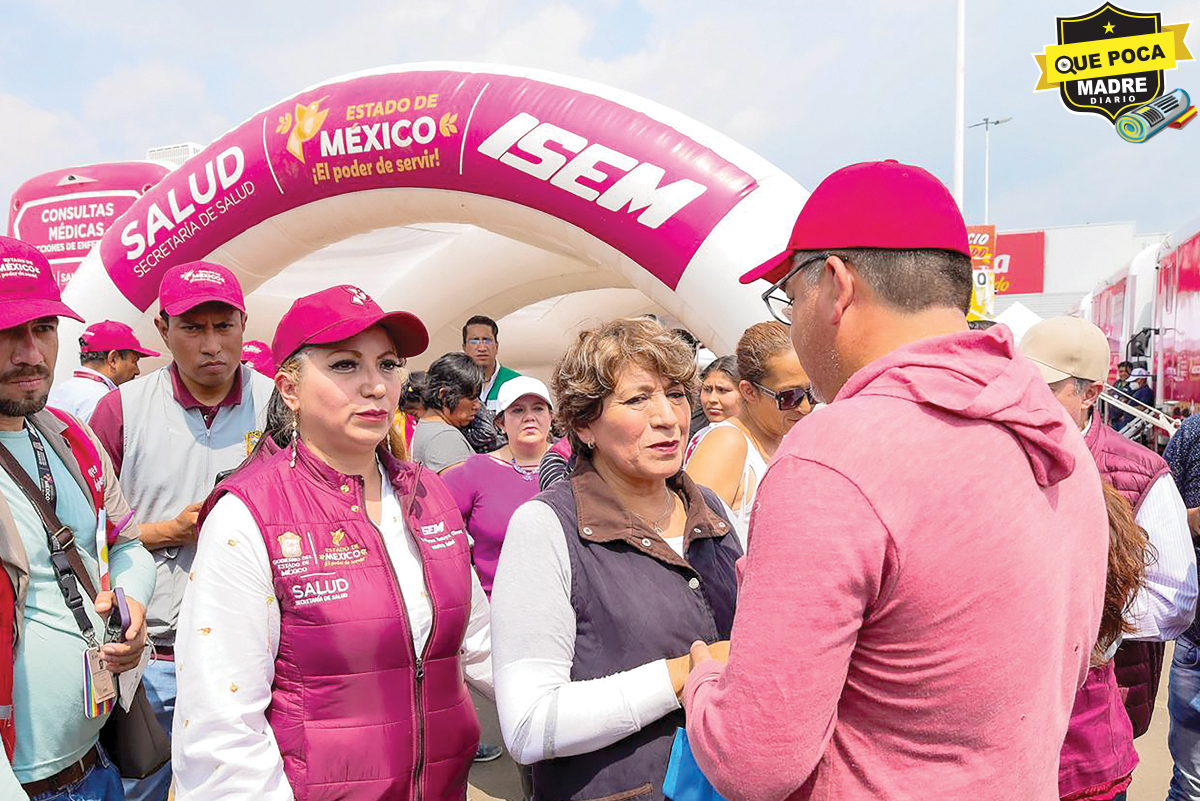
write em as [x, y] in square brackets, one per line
[809, 85]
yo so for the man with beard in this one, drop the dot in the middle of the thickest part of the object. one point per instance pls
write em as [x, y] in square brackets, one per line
[169, 434]
[49, 458]
[919, 602]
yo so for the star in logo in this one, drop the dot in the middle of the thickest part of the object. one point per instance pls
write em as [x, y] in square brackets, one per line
[1108, 28]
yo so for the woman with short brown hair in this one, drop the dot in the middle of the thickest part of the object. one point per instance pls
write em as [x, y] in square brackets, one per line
[605, 580]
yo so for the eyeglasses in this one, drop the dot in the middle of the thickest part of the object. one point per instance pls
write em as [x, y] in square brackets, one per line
[778, 303]
[481, 341]
[788, 399]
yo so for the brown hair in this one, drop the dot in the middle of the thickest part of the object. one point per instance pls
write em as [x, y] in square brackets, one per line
[759, 344]
[1129, 551]
[591, 366]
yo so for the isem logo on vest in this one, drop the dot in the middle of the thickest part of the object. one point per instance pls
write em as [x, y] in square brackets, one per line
[435, 534]
[1110, 62]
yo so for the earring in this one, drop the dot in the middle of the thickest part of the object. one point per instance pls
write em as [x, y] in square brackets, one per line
[295, 436]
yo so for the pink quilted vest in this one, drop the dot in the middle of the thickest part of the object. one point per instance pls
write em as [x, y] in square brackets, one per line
[356, 712]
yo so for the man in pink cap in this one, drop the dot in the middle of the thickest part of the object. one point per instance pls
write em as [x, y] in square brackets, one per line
[108, 357]
[59, 499]
[169, 434]
[257, 354]
[927, 556]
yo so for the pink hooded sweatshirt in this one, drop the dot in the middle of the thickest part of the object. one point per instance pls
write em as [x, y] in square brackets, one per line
[921, 591]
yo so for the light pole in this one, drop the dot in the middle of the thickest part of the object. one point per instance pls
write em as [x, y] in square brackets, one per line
[960, 98]
[987, 124]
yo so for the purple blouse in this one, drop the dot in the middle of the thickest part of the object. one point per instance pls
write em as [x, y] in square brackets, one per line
[488, 492]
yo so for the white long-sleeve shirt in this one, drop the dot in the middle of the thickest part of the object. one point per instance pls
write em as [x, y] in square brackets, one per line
[1166, 602]
[80, 393]
[543, 713]
[222, 745]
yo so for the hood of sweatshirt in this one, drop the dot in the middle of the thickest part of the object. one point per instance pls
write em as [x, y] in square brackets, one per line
[977, 375]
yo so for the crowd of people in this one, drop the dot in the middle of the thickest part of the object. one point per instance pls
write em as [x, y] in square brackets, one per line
[874, 553]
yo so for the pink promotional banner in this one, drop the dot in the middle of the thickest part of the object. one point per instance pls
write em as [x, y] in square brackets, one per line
[632, 181]
[65, 213]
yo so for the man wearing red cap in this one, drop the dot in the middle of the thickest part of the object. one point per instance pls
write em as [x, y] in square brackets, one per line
[169, 434]
[54, 473]
[919, 600]
[108, 357]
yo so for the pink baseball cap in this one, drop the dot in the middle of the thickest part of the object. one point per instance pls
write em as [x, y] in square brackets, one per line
[110, 335]
[341, 312]
[186, 286]
[873, 204]
[27, 286]
[257, 354]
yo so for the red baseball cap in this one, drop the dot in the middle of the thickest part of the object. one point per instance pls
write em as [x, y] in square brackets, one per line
[27, 286]
[339, 313]
[257, 354]
[186, 286]
[873, 204]
[110, 335]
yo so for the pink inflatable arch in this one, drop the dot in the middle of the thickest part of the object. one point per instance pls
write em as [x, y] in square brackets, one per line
[65, 213]
[615, 184]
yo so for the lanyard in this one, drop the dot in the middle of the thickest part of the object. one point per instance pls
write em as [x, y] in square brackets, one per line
[45, 478]
[91, 377]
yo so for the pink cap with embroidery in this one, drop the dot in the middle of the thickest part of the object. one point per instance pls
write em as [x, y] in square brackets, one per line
[110, 335]
[186, 286]
[257, 354]
[339, 313]
[27, 286]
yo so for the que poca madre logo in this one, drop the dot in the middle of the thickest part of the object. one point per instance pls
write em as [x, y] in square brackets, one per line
[1111, 62]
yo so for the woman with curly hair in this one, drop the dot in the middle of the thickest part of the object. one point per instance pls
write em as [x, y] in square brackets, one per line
[606, 579]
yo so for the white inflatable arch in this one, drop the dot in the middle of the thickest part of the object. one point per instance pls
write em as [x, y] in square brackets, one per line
[462, 188]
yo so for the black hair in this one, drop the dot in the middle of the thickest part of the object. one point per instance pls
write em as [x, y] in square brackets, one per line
[449, 380]
[688, 337]
[723, 364]
[93, 356]
[910, 280]
[412, 394]
[480, 319]
[980, 325]
[1125, 364]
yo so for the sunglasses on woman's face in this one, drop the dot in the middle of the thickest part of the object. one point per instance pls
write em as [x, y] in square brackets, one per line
[788, 399]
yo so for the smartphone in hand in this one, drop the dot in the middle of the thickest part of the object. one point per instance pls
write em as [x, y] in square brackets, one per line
[118, 618]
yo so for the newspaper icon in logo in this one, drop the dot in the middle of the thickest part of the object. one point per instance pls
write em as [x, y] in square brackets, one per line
[1145, 121]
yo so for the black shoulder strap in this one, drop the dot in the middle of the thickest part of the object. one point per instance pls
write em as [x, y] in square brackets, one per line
[69, 571]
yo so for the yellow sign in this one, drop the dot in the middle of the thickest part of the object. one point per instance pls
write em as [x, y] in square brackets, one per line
[983, 295]
[1105, 58]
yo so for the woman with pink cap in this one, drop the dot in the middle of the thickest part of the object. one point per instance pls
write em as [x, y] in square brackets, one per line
[332, 610]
